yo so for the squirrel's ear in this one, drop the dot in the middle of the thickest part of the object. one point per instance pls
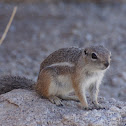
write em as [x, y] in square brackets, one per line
[85, 52]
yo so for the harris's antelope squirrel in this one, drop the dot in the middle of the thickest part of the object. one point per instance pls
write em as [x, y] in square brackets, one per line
[73, 69]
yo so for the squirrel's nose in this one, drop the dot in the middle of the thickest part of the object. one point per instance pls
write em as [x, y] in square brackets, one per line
[106, 64]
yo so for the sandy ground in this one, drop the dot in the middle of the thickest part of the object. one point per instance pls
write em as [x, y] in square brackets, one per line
[40, 28]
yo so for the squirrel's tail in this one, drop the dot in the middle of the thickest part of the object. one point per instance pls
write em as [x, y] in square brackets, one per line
[8, 83]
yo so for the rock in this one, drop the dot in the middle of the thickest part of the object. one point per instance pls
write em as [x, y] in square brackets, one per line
[25, 108]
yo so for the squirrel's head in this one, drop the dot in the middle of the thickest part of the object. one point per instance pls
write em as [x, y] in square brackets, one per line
[97, 57]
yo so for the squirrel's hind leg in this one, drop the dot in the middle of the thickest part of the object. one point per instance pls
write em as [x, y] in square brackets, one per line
[55, 100]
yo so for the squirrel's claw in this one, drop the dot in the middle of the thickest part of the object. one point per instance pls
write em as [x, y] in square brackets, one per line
[99, 106]
[55, 100]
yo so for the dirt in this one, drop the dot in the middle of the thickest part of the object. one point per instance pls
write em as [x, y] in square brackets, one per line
[41, 28]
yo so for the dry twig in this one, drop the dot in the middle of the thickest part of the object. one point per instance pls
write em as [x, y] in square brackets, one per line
[8, 25]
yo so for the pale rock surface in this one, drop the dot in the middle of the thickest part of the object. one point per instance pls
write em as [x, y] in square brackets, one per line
[25, 108]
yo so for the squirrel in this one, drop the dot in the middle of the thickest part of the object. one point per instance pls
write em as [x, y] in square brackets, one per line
[64, 71]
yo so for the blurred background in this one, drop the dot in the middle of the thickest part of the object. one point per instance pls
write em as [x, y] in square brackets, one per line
[43, 26]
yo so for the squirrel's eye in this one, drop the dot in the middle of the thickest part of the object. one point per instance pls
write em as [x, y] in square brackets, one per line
[94, 56]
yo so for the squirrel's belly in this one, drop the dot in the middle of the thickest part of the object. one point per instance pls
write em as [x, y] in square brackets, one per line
[61, 85]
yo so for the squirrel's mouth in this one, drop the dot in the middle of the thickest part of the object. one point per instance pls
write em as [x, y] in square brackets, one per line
[105, 67]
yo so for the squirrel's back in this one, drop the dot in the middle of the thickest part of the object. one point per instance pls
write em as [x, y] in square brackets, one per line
[62, 55]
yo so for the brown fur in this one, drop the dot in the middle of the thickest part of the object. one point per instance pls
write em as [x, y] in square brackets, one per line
[43, 83]
[77, 88]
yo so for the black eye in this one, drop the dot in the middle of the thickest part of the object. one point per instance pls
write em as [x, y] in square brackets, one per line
[94, 56]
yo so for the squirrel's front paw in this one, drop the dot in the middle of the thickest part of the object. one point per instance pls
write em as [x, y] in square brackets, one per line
[87, 108]
[99, 106]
